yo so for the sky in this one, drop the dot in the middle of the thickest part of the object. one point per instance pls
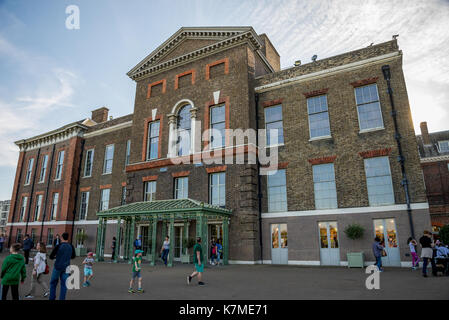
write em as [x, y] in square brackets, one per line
[51, 75]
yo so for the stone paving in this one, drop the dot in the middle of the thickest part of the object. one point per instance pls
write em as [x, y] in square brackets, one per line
[253, 282]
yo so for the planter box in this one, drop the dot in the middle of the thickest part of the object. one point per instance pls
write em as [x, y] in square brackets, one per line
[355, 259]
[186, 258]
[81, 252]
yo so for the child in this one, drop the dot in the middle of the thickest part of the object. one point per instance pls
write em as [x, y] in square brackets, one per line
[219, 249]
[40, 265]
[13, 272]
[415, 259]
[88, 273]
[137, 260]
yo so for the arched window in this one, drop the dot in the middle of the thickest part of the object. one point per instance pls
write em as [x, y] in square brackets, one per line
[183, 126]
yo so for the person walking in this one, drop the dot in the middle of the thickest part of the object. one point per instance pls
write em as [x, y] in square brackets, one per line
[28, 244]
[56, 241]
[199, 263]
[165, 250]
[415, 258]
[13, 272]
[377, 251]
[2, 241]
[63, 253]
[219, 250]
[40, 266]
[138, 243]
[114, 244]
[137, 260]
[427, 253]
[213, 252]
[88, 269]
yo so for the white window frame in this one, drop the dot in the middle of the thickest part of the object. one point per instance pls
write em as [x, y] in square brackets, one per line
[391, 183]
[29, 171]
[59, 165]
[152, 190]
[103, 199]
[38, 208]
[315, 113]
[221, 184]
[54, 206]
[84, 205]
[50, 231]
[23, 208]
[380, 109]
[223, 137]
[316, 183]
[439, 145]
[182, 189]
[149, 137]
[43, 171]
[106, 159]
[270, 203]
[92, 153]
[279, 143]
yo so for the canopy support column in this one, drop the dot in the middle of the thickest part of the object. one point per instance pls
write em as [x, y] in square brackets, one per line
[131, 239]
[97, 247]
[225, 241]
[153, 241]
[117, 241]
[172, 237]
[186, 237]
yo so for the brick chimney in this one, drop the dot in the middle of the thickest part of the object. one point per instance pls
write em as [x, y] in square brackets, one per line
[100, 115]
[425, 133]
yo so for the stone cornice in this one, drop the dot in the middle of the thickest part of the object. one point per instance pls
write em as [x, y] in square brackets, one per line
[234, 36]
[435, 159]
[52, 137]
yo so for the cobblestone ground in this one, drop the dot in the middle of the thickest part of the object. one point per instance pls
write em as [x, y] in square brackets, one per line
[253, 282]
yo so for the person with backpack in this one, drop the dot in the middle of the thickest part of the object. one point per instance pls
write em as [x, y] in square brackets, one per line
[219, 250]
[63, 253]
[13, 272]
[39, 270]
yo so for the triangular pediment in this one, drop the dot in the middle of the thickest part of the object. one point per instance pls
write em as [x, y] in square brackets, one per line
[190, 42]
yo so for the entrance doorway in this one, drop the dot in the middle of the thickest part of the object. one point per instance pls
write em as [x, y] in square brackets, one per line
[385, 230]
[178, 243]
[146, 247]
[279, 248]
[214, 233]
[329, 246]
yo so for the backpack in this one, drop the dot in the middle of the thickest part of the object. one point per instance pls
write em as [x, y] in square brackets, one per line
[220, 248]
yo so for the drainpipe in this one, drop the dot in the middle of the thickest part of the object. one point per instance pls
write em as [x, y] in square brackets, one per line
[259, 180]
[50, 161]
[77, 188]
[401, 158]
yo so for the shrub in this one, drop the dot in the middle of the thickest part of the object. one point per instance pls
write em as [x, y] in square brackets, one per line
[444, 234]
[354, 231]
[188, 243]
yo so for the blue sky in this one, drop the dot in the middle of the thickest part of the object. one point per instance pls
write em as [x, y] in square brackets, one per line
[50, 75]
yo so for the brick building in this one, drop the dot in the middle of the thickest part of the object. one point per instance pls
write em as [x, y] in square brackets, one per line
[336, 139]
[434, 152]
[4, 211]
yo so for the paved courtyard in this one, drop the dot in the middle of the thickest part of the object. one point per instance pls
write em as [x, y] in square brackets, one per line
[254, 282]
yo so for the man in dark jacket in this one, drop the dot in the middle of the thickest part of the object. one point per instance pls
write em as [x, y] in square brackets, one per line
[63, 253]
[57, 241]
[28, 244]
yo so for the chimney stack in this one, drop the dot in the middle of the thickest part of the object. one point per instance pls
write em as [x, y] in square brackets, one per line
[425, 133]
[100, 115]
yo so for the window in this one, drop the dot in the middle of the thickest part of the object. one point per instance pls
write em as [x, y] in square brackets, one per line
[19, 236]
[89, 162]
[50, 237]
[37, 209]
[184, 126]
[54, 206]
[368, 107]
[217, 126]
[33, 235]
[443, 146]
[59, 165]
[84, 205]
[318, 117]
[80, 238]
[23, 208]
[273, 121]
[43, 168]
[29, 171]
[123, 195]
[277, 191]
[378, 180]
[108, 159]
[104, 199]
[324, 186]
[217, 189]
[153, 140]
[182, 188]
[128, 152]
[149, 191]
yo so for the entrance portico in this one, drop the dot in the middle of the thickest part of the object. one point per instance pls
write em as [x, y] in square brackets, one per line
[184, 211]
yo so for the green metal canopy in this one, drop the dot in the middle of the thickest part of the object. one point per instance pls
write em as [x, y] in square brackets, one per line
[163, 206]
[165, 212]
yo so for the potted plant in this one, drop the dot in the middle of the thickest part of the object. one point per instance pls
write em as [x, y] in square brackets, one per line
[80, 250]
[187, 244]
[354, 232]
